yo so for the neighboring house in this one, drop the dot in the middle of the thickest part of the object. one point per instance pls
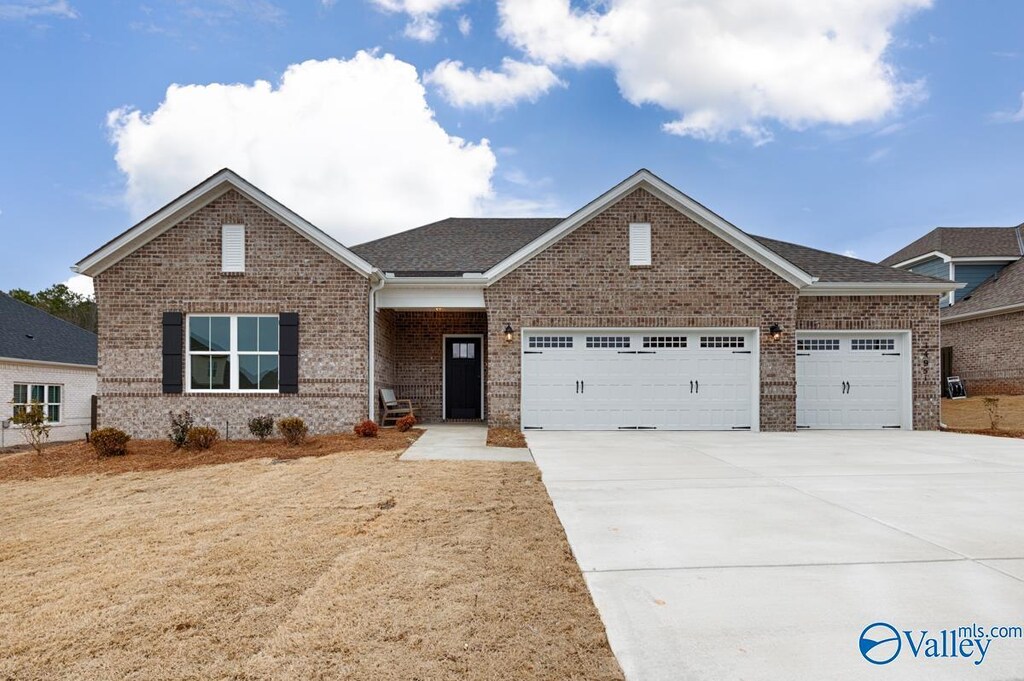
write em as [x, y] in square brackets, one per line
[643, 309]
[983, 322]
[47, 360]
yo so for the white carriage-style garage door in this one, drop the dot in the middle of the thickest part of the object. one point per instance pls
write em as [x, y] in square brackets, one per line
[852, 380]
[678, 379]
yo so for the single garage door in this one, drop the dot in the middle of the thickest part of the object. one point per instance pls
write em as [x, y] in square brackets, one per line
[850, 380]
[682, 379]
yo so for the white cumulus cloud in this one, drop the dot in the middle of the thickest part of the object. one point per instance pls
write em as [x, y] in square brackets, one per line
[350, 145]
[515, 81]
[1010, 116]
[465, 25]
[32, 9]
[423, 24]
[728, 67]
[80, 284]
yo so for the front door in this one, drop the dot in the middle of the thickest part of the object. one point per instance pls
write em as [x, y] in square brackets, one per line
[463, 368]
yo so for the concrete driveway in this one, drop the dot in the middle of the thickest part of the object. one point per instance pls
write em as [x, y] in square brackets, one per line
[765, 555]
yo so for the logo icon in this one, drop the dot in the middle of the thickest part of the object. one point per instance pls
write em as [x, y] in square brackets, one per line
[880, 643]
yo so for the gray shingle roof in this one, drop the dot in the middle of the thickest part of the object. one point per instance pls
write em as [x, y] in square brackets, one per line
[453, 246]
[964, 242]
[458, 245]
[27, 332]
[832, 267]
[1000, 290]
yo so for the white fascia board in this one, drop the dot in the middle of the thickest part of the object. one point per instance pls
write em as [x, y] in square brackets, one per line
[423, 297]
[45, 363]
[921, 258]
[986, 259]
[415, 282]
[195, 199]
[683, 203]
[879, 288]
[991, 312]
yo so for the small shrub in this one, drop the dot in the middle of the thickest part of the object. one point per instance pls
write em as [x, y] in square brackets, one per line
[405, 423]
[181, 423]
[201, 437]
[34, 427]
[366, 428]
[261, 427]
[992, 407]
[293, 429]
[109, 442]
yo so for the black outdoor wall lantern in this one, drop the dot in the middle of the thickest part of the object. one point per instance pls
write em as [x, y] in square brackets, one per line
[776, 331]
[508, 333]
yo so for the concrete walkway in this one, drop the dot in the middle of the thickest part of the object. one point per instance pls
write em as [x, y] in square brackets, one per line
[460, 442]
[763, 556]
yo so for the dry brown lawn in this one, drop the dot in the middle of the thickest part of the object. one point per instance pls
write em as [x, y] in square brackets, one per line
[79, 458]
[505, 437]
[970, 415]
[351, 565]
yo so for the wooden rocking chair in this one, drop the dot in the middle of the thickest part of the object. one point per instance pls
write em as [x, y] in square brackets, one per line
[394, 408]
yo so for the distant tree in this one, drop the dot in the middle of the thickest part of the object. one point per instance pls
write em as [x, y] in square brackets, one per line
[61, 302]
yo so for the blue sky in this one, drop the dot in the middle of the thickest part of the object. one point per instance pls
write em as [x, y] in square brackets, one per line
[855, 127]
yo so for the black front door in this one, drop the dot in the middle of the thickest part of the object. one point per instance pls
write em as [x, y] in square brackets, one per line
[462, 372]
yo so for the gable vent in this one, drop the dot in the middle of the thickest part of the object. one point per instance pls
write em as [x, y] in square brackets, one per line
[232, 248]
[640, 244]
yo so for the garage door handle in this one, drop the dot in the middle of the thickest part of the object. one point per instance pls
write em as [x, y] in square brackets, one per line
[697, 383]
[691, 387]
[577, 387]
[583, 386]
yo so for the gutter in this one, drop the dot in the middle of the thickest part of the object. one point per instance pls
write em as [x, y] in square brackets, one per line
[991, 312]
[880, 288]
[371, 356]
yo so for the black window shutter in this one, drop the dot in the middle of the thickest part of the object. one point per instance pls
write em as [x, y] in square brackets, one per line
[288, 363]
[172, 352]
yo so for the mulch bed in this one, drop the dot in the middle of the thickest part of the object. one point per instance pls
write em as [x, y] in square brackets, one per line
[79, 458]
[505, 437]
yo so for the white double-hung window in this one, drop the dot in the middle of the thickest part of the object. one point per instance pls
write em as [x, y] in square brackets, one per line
[47, 396]
[232, 353]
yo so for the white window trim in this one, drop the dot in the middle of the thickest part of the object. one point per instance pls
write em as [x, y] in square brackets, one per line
[233, 354]
[46, 399]
[224, 267]
[641, 227]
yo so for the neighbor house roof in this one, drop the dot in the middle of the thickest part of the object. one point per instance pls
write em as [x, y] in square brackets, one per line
[964, 242]
[1002, 292]
[26, 332]
[453, 246]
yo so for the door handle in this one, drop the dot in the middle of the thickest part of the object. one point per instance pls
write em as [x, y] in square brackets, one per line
[691, 387]
[583, 386]
[697, 383]
[577, 387]
[847, 387]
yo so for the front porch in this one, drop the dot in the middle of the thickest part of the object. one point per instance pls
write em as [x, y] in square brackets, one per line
[436, 359]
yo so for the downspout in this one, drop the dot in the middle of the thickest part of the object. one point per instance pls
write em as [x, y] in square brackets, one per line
[371, 406]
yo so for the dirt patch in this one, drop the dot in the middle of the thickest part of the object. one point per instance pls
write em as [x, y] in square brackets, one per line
[79, 458]
[505, 437]
[969, 415]
[350, 566]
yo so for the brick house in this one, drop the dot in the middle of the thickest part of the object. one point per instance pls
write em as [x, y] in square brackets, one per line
[643, 309]
[983, 321]
[48, 361]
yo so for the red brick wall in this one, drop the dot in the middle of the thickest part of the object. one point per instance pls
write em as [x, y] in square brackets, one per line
[987, 353]
[180, 271]
[695, 280]
[417, 346]
[919, 314]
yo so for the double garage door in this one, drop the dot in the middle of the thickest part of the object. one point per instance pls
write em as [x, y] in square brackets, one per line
[703, 379]
[586, 379]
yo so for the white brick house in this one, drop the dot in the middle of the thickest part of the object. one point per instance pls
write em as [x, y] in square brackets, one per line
[47, 360]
